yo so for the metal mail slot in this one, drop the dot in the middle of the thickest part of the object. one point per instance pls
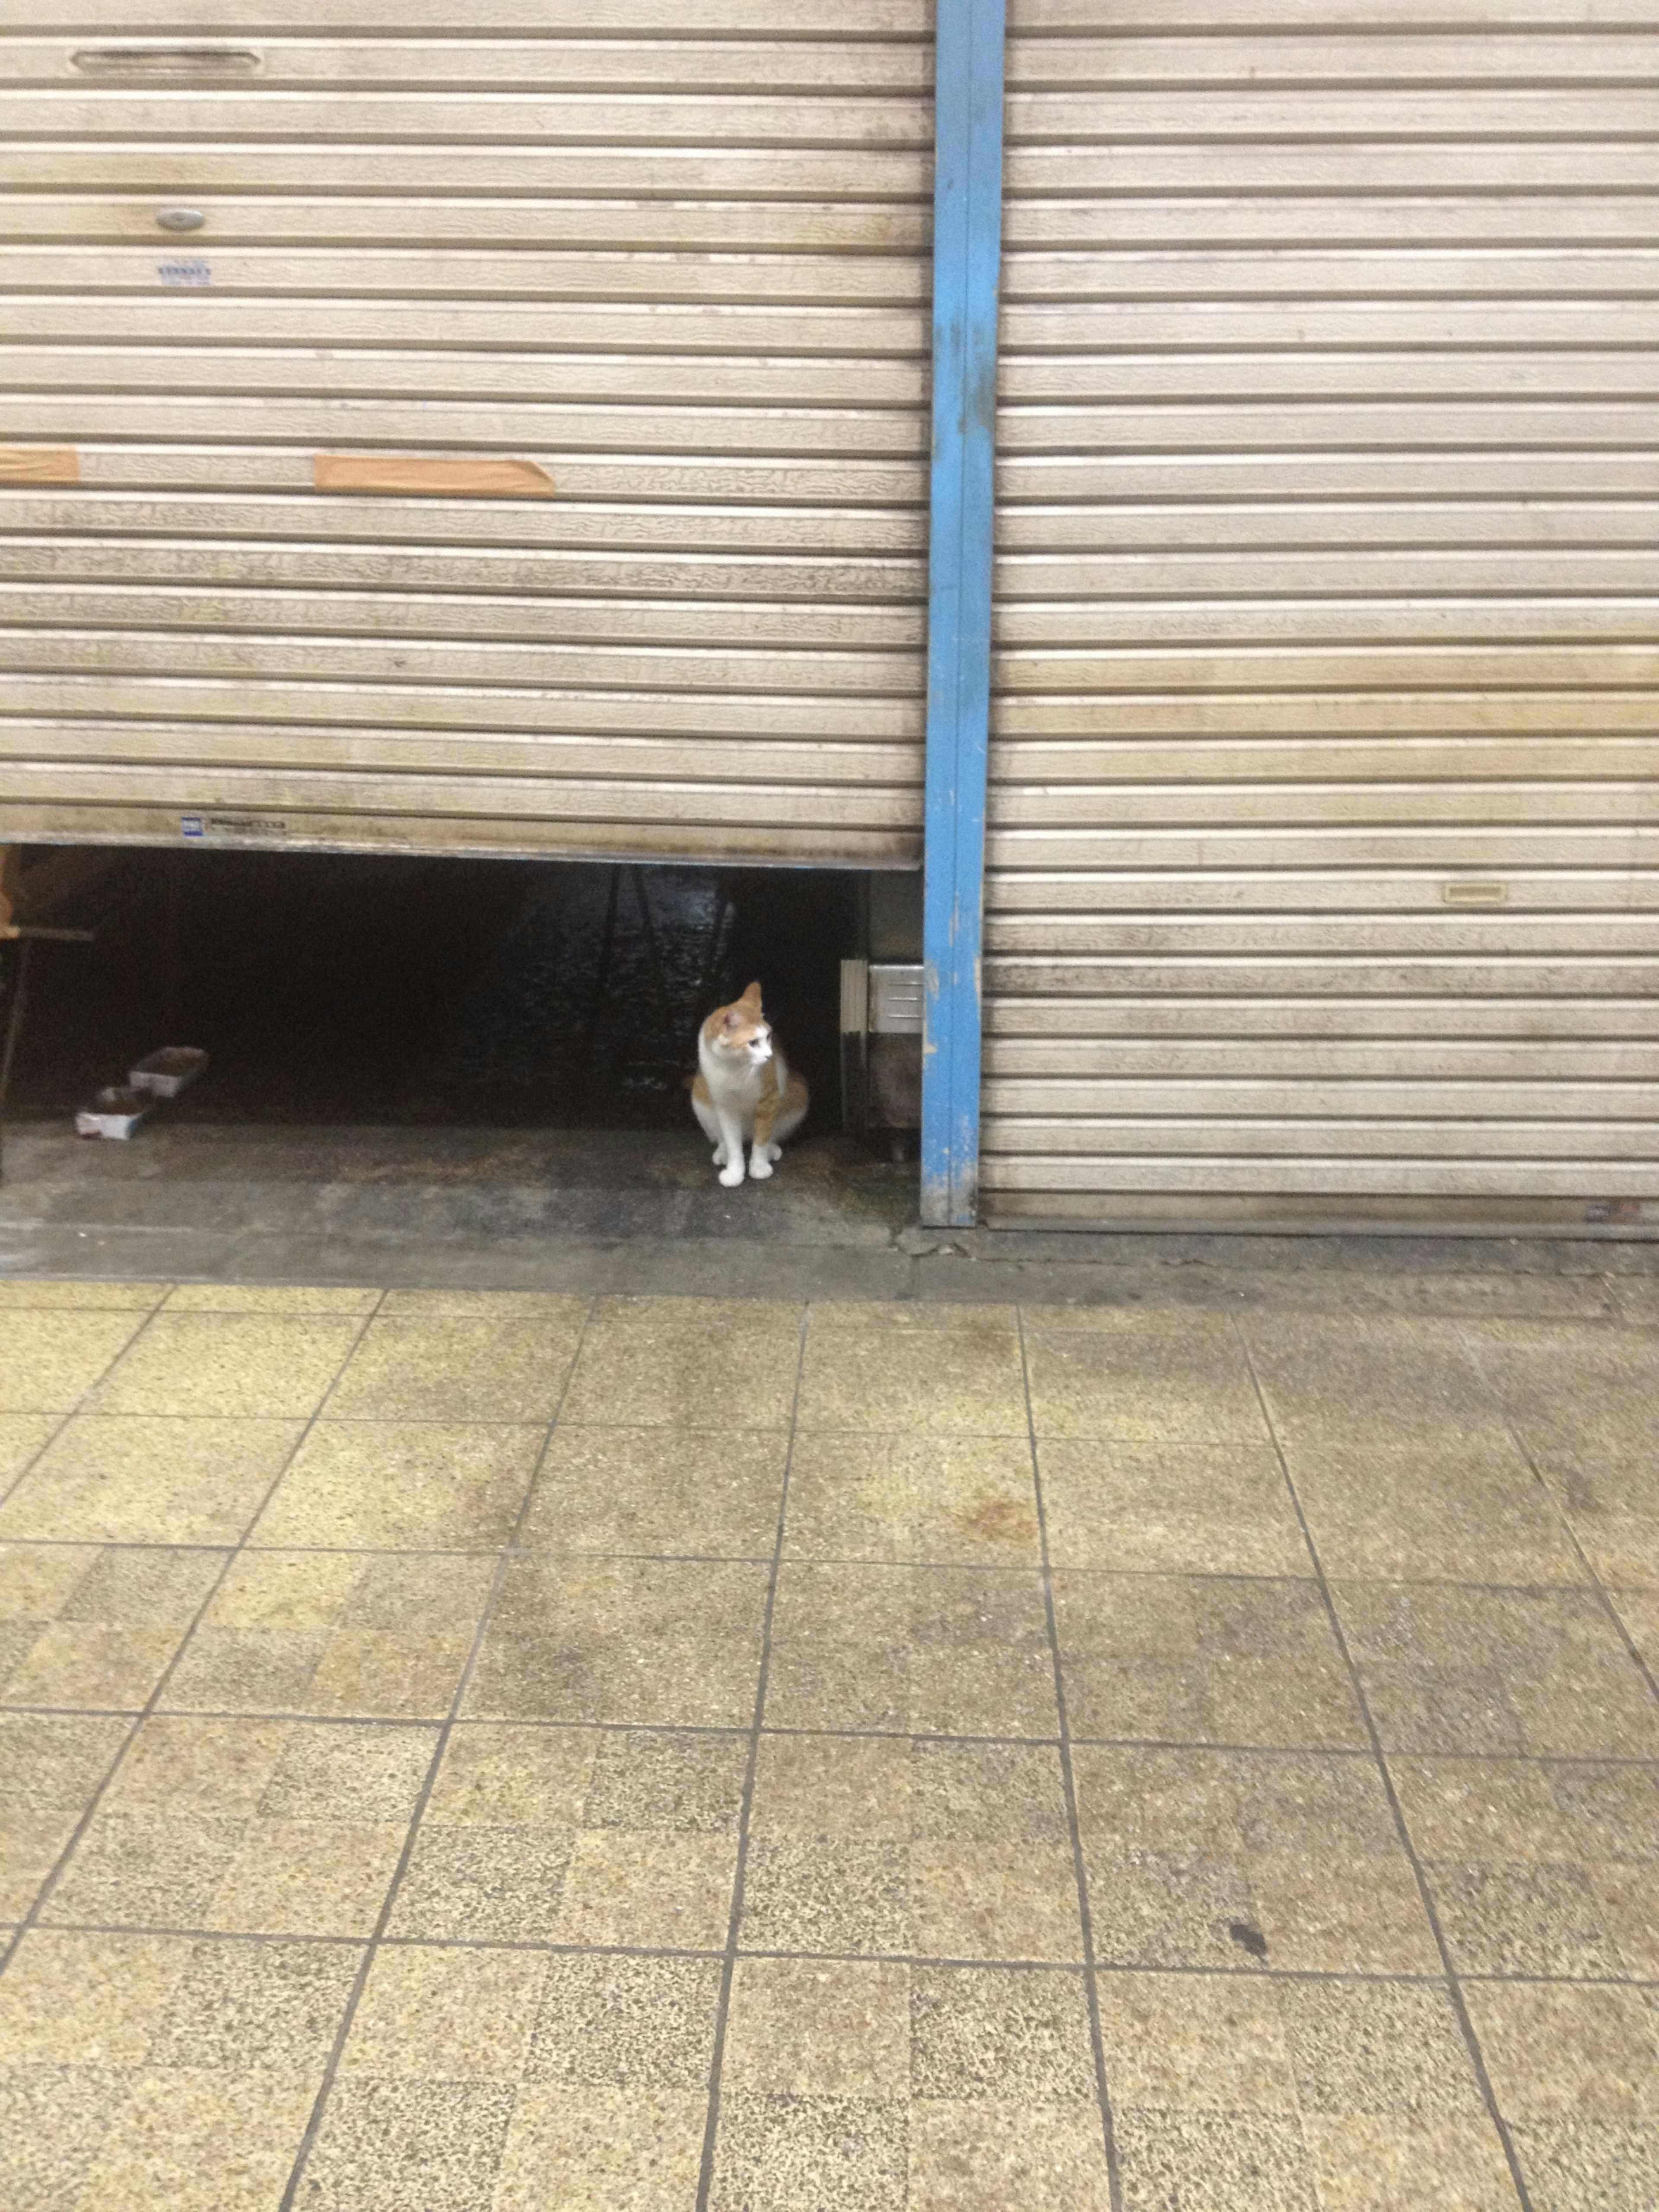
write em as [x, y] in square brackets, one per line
[896, 999]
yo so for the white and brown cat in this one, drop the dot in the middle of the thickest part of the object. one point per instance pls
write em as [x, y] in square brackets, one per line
[743, 1092]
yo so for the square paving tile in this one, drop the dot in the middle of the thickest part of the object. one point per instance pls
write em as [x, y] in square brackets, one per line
[1611, 1502]
[659, 1492]
[667, 1643]
[1464, 1513]
[1178, 1507]
[1580, 1394]
[420, 1486]
[935, 1650]
[1203, 1659]
[335, 1632]
[874, 1845]
[1341, 1379]
[1539, 1867]
[51, 1766]
[1575, 2073]
[1144, 1377]
[271, 1299]
[258, 1828]
[446, 1365]
[1284, 1860]
[135, 1480]
[1463, 1670]
[985, 2154]
[936, 1383]
[966, 1501]
[722, 1364]
[23, 1436]
[236, 1366]
[837, 2153]
[87, 2030]
[22, 1294]
[85, 1627]
[54, 1358]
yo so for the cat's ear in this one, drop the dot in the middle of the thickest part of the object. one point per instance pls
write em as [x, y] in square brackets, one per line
[751, 998]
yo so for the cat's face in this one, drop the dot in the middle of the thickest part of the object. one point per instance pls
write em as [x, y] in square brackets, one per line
[739, 1034]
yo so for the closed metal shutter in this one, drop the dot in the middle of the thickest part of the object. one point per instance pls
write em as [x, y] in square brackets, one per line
[1322, 860]
[650, 281]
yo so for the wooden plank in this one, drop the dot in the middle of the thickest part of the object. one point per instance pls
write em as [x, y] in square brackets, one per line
[1462, 162]
[1327, 376]
[746, 499]
[1218, 323]
[1477, 848]
[807, 18]
[1077, 807]
[39, 465]
[1196, 271]
[1606, 1020]
[1092, 678]
[1269, 476]
[430, 619]
[420, 660]
[1425, 572]
[420, 272]
[1323, 56]
[379, 394]
[875, 173]
[1051, 899]
[1498, 1138]
[1462, 1178]
[1331, 714]
[1332, 759]
[1318, 1103]
[193, 316]
[1242, 425]
[313, 219]
[474, 754]
[426, 617]
[682, 64]
[467, 707]
[726, 840]
[1261, 218]
[1326, 1059]
[1052, 647]
[466, 477]
[1050, 18]
[204, 787]
[1468, 935]
[546, 575]
[657, 117]
[1204, 114]
[1295, 526]
[1400, 975]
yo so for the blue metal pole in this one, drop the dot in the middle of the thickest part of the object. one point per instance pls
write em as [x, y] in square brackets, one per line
[967, 246]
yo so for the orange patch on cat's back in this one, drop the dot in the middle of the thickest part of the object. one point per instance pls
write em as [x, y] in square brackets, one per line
[700, 1087]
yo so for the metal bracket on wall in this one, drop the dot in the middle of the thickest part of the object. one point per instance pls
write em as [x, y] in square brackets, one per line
[967, 246]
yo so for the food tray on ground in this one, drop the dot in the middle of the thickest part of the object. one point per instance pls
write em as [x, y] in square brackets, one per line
[115, 1112]
[165, 1073]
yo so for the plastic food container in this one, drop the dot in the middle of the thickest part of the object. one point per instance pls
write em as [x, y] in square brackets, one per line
[115, 1112]
[164, 1074]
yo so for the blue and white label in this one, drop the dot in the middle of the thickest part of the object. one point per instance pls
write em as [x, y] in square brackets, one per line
[180, 274]
[192, 825]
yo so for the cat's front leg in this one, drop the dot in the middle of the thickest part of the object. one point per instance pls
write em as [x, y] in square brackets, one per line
[732, 1146]
[761, 1157]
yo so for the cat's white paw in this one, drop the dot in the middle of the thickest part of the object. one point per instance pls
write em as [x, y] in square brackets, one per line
[774, 1151]
[732, 1176]
[760, 1163]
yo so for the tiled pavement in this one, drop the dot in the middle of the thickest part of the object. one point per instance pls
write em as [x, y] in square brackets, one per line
[516, 1752]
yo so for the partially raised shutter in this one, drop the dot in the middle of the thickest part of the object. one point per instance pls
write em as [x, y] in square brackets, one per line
[651, 281]
[1324, 873]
